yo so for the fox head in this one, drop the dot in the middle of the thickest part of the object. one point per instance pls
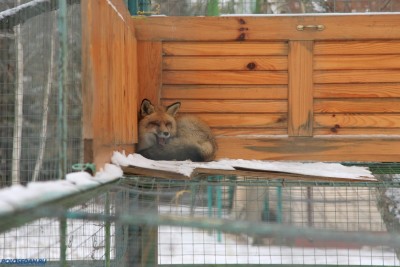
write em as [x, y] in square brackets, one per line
[157, 124]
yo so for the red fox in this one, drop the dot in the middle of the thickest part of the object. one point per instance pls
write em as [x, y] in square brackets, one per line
[165, 136]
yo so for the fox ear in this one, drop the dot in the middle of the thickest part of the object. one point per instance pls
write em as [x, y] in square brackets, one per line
[173, 108]
[146, 108]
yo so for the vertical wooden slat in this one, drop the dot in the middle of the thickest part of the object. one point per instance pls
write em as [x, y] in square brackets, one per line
[150, 70]
[110, 80]
[300, 109]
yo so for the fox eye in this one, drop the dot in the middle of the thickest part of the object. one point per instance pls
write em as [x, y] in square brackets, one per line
[168, 124]
[155, 123]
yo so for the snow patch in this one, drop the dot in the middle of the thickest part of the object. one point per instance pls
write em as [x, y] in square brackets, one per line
[320, 169]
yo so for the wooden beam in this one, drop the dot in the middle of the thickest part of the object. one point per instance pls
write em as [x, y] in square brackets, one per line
[267, 28]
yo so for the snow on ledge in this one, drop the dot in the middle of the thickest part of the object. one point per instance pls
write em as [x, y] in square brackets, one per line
[22, 197]
[319, 169]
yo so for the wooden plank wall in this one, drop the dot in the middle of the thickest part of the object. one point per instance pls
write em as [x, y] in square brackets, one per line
[109, 80]
[270, 91]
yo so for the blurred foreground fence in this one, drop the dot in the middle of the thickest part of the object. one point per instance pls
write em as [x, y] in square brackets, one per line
[209, 221]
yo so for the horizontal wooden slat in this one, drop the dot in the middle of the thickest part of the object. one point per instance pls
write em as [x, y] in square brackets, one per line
[357, 106]
[357, 120]
[244, 92]
[266, 28]
[248, 131]
[225, 77]
[230, 106]
[225, 49]
[357, 47]
[357, 76]
[244, 120]
[328, 148]
[224, 63]
[356, 131]
[357, 62]
[363, 90]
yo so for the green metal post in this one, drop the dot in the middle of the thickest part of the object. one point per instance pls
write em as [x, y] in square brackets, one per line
[62, 93]
[133, 7]
[279, 204]
[107, 231]
[63, 240]
[212, 8]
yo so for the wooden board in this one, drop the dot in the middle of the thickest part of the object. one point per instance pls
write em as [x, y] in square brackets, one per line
[243, 92]
[225, 77]
[361, 90]
[225, 48]
[231, 106]
[357, 76]
[203, 173]
[317, 148]
[254, 63]
[245, 120]
[374, 105]
[268, 28]
[357, 62]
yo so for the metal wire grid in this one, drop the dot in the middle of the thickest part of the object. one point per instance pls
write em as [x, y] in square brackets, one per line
[93, 241]
[84, 241]
[221, 7]
[30, 57]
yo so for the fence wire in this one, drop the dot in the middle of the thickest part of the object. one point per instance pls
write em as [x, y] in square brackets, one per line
[229, 220]
[31, 61]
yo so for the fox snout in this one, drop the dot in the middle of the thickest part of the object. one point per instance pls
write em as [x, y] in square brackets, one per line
[162, 138]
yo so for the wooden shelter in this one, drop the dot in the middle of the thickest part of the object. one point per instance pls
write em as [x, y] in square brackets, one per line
[304, 87]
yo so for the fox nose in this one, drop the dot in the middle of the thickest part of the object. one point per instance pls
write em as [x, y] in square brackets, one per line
[165, 134]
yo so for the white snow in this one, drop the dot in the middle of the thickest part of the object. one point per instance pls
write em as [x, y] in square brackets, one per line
[320, 169]
[22, 197]
[12, 11]
[115, 9]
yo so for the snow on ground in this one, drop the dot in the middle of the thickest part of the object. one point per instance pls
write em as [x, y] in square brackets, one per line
[191, 246]
[177, 245]
[186, 168]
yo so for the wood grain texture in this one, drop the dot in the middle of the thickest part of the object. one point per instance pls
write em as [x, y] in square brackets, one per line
[105, 83]
[357, 62]
[225, 77]
[225, 48]
[256, 92]
[149, 56]
[267, 28]
[387, 132]
[230, 106]
[378, 149]
[300, 111]
[357, 106]
[248, 131]
[254, 63]
[362, 90]
[357, 76]
[364, 47]
[245, 120]
[357, 120]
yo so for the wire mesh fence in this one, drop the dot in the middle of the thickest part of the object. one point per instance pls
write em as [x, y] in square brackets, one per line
[40, 74]
[217, 220]
[222, 7]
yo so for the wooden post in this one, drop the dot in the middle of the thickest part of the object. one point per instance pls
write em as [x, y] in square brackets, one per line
[109, 80]
[300, 108]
